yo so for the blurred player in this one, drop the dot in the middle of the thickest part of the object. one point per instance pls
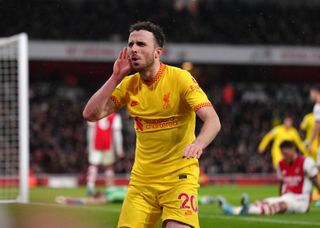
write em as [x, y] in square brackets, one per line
[110, 195]
[297, 174]
[307, 125]
[278, 134]
[104, 137]
[315, 97]
[163, 100]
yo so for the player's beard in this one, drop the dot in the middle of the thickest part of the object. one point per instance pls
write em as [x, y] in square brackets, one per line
[146, 66]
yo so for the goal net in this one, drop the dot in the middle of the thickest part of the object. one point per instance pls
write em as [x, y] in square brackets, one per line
[14, 116]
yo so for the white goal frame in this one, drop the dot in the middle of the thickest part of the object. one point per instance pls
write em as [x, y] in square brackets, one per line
[23, 115]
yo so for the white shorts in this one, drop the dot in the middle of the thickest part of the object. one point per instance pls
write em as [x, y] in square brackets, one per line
[297, 203]
[101, 157]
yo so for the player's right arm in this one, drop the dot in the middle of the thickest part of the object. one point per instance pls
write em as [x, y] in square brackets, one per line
[100, 104]
[266, 140]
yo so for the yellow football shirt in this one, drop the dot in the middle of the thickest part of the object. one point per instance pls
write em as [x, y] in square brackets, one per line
[278, 135]
[164, 115]
[307, 125]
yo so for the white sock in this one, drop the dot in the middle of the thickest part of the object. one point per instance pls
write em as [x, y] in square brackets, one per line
[255, 209]
[92, 176]
[264, 208]
[237, 210]
[109, 175]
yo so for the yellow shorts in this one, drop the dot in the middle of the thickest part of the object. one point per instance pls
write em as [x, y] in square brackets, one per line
[145, 204]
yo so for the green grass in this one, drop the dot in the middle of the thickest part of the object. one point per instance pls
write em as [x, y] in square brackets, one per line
[210, 215]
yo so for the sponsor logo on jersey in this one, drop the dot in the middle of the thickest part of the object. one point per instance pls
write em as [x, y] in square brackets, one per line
[292, 180]
[139, 124]
[161, 123]
[146, 124]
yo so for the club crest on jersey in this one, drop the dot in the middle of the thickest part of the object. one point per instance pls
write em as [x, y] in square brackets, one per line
[134, 103]
[166, 100]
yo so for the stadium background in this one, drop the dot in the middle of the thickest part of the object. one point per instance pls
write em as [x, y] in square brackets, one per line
[250, 98]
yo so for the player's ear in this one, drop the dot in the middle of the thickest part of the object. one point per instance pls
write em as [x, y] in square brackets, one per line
[158, 52]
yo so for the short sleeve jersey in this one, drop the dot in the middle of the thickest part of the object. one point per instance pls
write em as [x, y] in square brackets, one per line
[164, 114]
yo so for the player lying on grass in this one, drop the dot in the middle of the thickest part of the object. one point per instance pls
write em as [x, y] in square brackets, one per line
[296, 174]
[111, 195]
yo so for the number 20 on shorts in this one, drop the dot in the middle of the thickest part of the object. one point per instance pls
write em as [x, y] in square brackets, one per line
[188, 202]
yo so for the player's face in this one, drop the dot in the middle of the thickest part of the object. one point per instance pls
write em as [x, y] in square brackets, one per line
[313, 95]
[288, 122]
[288, 154]
[143, 51]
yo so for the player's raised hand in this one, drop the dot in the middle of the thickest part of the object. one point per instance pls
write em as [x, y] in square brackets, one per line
[122, 66]
[192, 151]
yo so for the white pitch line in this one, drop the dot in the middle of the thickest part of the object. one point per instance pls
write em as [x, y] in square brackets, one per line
[263, 220]
[80, 207]
[223, 217]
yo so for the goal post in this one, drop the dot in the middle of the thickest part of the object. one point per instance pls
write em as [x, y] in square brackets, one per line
[14, 119]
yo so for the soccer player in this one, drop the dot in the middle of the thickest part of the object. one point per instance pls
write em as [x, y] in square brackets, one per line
[315, 97]
[278, 134]
[104, 137]
[307, 125]
[163, 101]
[297, 174]
[110, 195]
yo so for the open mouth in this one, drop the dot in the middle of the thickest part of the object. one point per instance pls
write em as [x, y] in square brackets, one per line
[134, 59]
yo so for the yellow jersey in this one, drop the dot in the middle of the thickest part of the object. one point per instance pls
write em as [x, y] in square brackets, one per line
[278, 135]
[307, 125]
[164, 115]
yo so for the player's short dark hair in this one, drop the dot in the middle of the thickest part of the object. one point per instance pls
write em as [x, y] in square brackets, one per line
[156, 30]
[288, 115]
[287, 145]
[316, 87]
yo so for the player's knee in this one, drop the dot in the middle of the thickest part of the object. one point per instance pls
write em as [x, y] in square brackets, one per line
[174, 224]
[283, 207]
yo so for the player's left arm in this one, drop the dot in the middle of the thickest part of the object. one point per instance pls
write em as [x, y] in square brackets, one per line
[210, 128]
[279, 176]
[280, 187]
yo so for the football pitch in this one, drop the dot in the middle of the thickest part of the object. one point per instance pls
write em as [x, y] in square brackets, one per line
[42, 199]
